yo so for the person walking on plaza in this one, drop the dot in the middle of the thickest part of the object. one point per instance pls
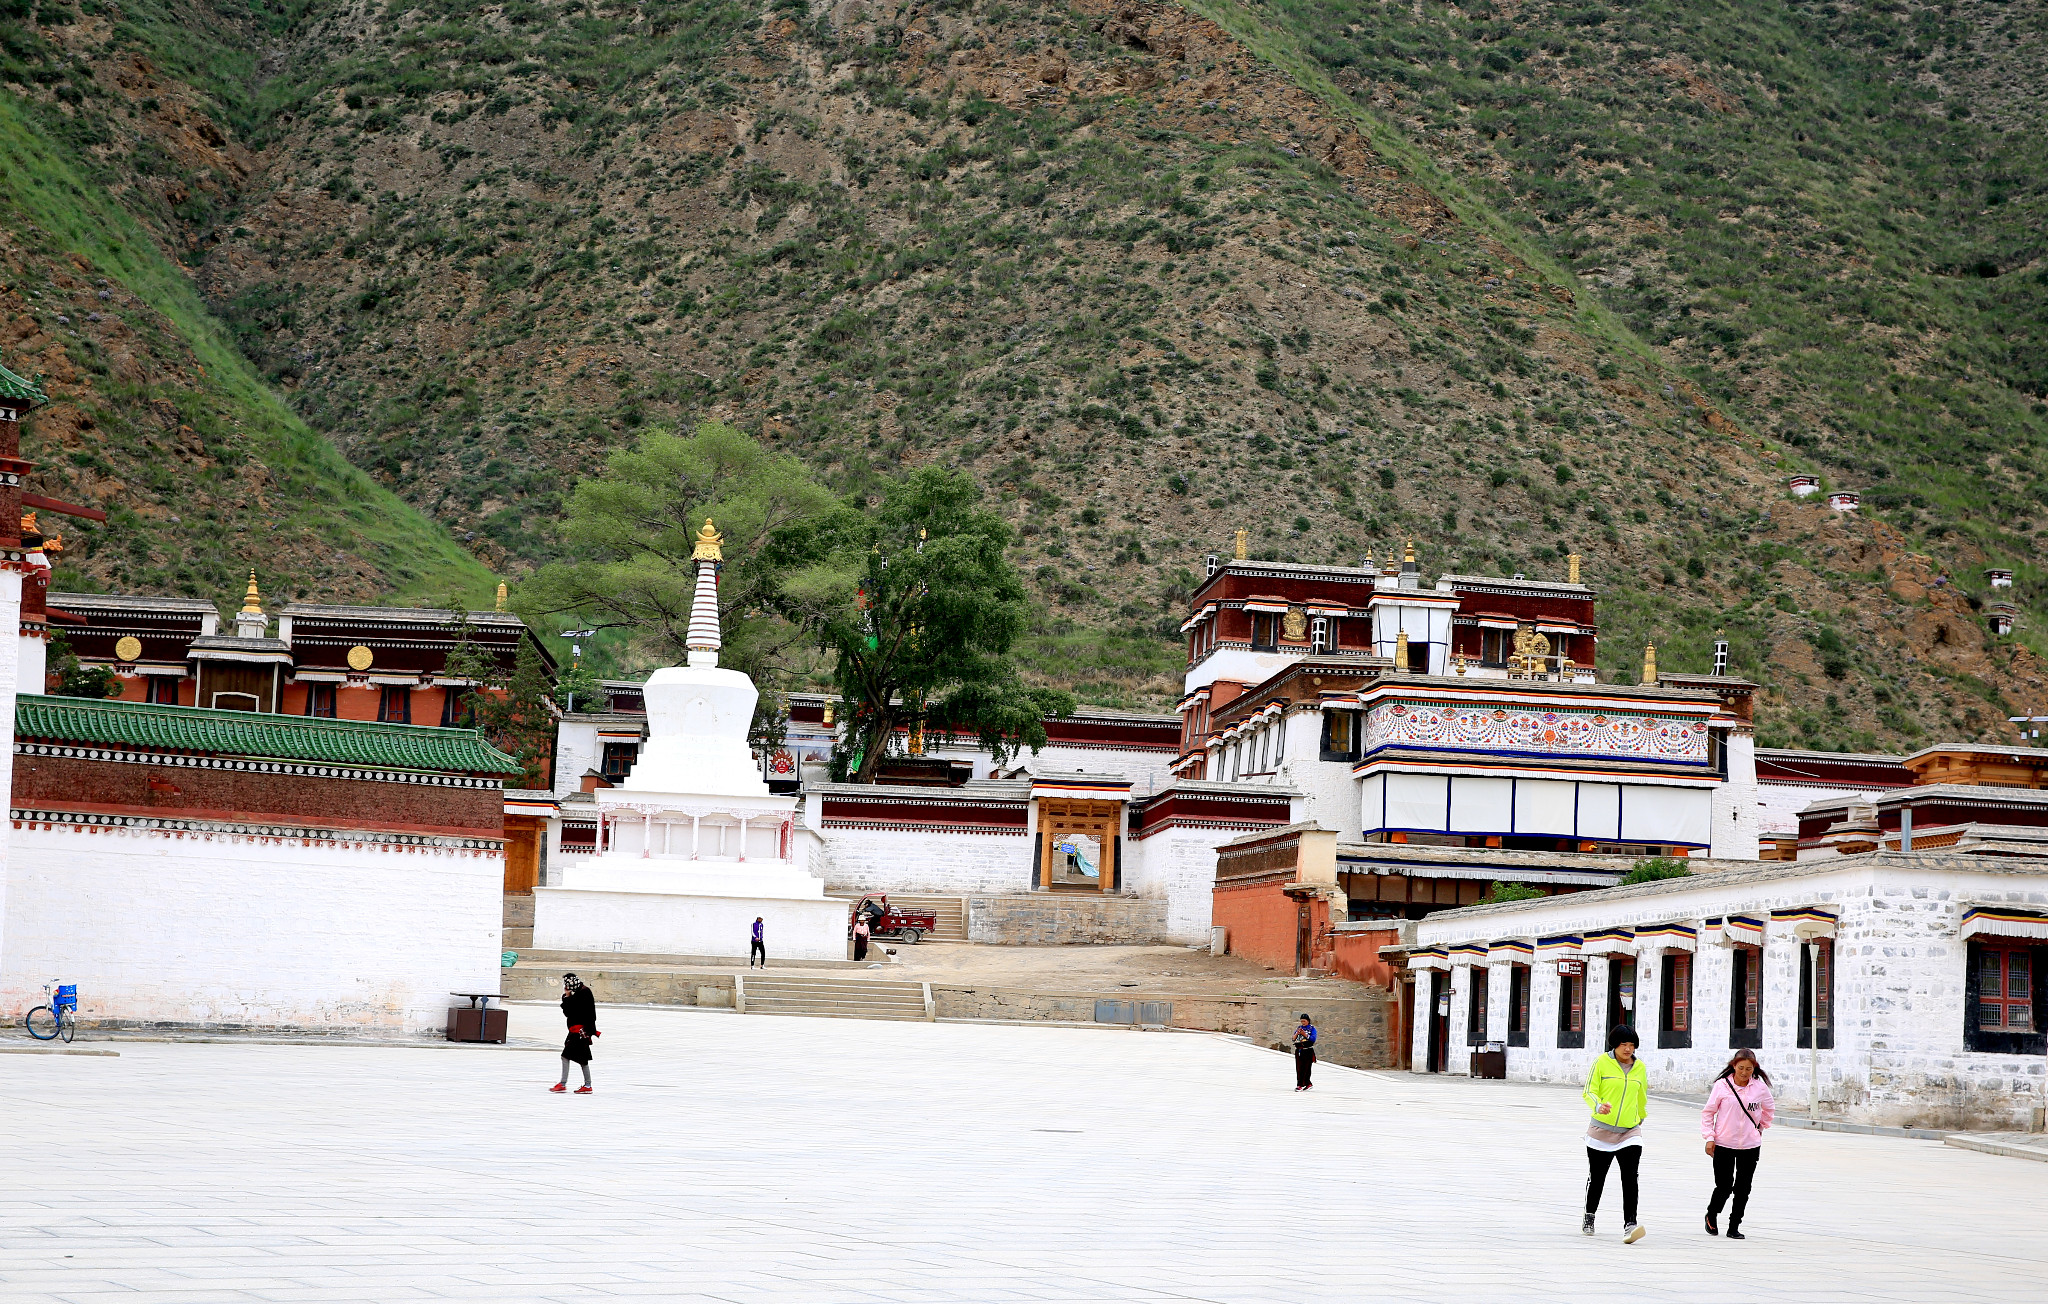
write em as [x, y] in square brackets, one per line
[860, 936]
[758, 948]
[1739, 1107]
[579, 1008]
[1618, 1093]
[1304, 1053]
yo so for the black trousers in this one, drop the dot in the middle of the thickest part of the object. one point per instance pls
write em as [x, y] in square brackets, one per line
[1597, 1162]
[1733, 1170]
[758, 948]
[1304, 1061]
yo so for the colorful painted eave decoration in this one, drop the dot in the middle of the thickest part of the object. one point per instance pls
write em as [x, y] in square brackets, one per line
[1561, 944]
[252, 734]
[1609, 939]
[1513, 948]
[1497, 727]
[1468, 953]
[2003, 921]
[1802, 914]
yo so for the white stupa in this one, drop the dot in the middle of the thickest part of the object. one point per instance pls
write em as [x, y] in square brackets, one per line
[692, 845]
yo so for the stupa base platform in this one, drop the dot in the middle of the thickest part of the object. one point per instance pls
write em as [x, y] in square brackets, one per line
[688, 924]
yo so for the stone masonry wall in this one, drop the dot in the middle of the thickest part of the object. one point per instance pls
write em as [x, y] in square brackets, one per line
[1178, 866]
[1064, 919]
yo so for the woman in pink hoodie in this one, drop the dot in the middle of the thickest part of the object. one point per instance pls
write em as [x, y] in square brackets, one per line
[1738, 1109]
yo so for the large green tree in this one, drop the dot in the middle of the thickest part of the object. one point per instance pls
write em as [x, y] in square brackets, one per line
[629, 533]
[916, 602]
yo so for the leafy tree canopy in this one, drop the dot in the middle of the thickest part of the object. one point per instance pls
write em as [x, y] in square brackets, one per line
[1499, 892]
[916, 602]
[630, 532]
[1654, 868]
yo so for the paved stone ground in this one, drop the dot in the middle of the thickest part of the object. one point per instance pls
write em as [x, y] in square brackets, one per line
[764, 1161]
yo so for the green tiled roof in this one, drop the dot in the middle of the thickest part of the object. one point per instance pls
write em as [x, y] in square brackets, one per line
[248, 733]
[27, 391]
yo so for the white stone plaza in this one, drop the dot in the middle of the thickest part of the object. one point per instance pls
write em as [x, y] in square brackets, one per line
[754, 1160]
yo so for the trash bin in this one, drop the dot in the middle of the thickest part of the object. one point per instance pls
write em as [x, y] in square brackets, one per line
[469, 1024]
[1490, 1060]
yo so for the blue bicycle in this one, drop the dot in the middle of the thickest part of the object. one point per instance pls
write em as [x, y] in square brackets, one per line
[57, 1019]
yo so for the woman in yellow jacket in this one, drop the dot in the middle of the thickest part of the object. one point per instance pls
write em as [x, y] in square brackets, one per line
[1618, 1093]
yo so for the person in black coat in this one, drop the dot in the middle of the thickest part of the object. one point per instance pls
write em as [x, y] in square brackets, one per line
[579, 1008]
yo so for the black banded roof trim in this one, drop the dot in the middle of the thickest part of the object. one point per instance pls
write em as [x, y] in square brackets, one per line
[315, 611]
[1507, 583]
[132, 604]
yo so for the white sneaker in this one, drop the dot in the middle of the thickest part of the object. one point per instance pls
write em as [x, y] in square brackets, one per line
[1631, 1233]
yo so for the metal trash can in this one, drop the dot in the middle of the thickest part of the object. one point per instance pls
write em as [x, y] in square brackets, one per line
[1490, 1060]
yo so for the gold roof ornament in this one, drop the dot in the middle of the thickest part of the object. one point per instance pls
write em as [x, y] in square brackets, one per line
[1401, 650]
[1244, 538]
[1408, 554]
[360, 658]
[1649, 663]
[501, 595]
[128, 647]
[252, 601]
[28, 523]
[708, 544]
[1571, 569]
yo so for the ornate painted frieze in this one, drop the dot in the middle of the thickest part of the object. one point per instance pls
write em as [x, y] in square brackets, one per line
[1505, 728]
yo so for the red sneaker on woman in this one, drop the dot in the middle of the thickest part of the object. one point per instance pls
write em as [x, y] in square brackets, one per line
[559, 1086]
[583, 1091]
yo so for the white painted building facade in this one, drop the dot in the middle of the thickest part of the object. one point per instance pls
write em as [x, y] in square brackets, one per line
[1902, 941]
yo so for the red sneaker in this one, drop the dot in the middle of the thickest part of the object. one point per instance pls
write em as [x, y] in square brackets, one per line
[559, 1086]
[583, 1091]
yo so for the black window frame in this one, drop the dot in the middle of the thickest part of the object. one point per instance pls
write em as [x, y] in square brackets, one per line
[608, 751]
[1827, 1022]
[163, 689]
[1503, 641]
[2003, 1043]
[1616, 1015]
[1352, 728]
[388, 694]
[320, 701]
[1478, 993]
[458, 707]
[1518, 1005]
[1270, 623]
[1742, 960]
[1668, 1037]
[1569, 984]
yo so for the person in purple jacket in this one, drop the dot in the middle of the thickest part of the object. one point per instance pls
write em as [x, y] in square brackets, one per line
[1304, 1053]
[759, 947]
[1739, 1108]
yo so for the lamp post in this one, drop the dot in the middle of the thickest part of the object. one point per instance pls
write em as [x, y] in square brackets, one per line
[576, 638]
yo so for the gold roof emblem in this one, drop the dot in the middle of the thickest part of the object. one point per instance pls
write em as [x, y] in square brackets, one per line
[360, 657]
[129, 647]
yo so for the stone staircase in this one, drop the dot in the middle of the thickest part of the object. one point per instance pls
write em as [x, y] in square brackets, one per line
[951, 912]
[833, 998]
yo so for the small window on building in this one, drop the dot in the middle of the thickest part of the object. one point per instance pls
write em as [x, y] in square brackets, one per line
[320, 701]
[1674, 1002]
[1495, 645]
[458, 708]
[1571, 1008]
[1746, 997]
[1279, 741]
[1340, 735]
[618, 760]
[163, 689]
[1817, 993]
[1518, 1005]
[394, 706]
[1475, 1018]
[2003, 992]
[1319, 634]
[1263, 635]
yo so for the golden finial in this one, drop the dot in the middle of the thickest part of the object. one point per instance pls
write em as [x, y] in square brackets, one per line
[1572, 569]
[1408, 554]
[28, 524]
[1243, 543]
[1367, 565]
[53, 543]
[252, 601]
[501, 595]
[1649, 663]
[708, 541]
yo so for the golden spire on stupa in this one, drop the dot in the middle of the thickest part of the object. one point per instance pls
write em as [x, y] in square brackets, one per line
[708, 544]
[252, 601]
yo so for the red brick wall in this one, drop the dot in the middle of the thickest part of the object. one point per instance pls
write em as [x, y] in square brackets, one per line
[73, 783]
[1263, 920]
[1357, 956]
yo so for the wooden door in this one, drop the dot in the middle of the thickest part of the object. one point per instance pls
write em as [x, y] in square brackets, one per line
[1439, 1020]
[1078, 841]
[522, 853]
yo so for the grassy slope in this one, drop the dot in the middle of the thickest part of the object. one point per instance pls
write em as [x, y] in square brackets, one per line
[273, 474]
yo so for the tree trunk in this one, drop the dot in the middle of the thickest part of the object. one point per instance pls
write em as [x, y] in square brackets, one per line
[874, 747]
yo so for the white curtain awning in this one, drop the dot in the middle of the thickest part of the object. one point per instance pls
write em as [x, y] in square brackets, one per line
[1429, 960]
[1667, 937]
[1611, 941]
[1995, 921]
[1738, 930]
[1564, 946]
[1270, 608]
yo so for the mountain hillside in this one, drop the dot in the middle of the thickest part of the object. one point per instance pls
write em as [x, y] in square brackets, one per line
[1511, 281]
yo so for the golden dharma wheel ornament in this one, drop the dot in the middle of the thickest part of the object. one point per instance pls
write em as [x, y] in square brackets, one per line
[129, 648]
[360, 657]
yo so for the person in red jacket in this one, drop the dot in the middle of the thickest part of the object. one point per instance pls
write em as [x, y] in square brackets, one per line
[579, 1008]
[1739, 1107]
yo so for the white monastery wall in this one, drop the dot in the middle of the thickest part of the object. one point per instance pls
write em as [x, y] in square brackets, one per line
[1178, 866]
[577, 752]
[1779, 804]
[948, 864]
[214, 924]
[1329, 791]
[1737, 818]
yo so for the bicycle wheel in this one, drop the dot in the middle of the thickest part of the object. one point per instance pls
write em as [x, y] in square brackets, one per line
[42, 1023]
[68, 1026]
